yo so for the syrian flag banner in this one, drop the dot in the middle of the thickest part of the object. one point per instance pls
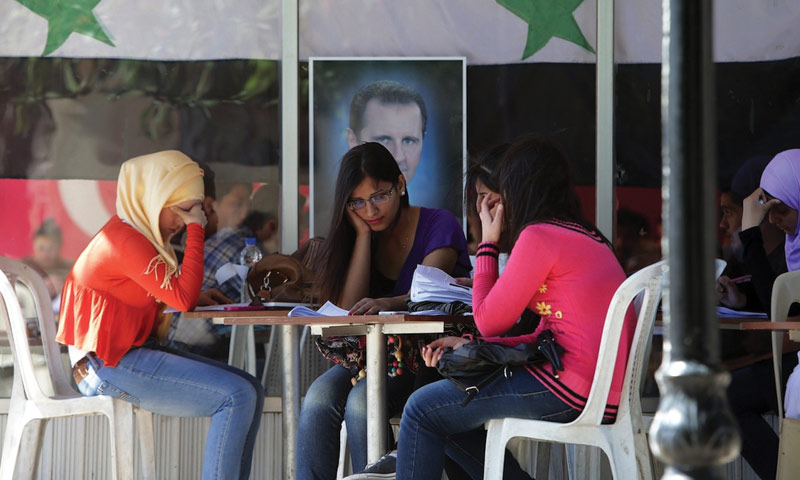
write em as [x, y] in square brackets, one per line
[142, 29]
[535, 31]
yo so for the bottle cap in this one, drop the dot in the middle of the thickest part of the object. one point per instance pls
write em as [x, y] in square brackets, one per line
[250, 241]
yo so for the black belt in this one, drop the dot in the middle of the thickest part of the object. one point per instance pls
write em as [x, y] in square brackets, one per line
[80, 370]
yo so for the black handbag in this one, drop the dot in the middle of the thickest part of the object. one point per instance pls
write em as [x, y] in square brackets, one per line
[476, 364]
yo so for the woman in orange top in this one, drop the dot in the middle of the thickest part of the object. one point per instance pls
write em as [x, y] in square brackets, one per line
[112, 299]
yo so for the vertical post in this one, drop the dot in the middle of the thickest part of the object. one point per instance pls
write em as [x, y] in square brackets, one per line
[693, 432]
[376, 393]
[290, 397]
[604, 140]
[290, 231]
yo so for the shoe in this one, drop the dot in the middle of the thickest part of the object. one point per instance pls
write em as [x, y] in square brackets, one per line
[385, 468]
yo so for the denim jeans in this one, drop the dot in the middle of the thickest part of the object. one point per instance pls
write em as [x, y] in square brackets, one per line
[434, 424]
[180, 384]
[331, 399]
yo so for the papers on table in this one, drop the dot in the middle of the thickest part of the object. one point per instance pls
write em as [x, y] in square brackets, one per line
[230, 270]
[434, 285]
[723, 312]
[406, 312]
[326, 310]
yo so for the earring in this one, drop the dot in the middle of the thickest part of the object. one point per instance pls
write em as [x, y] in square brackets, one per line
[403, 192]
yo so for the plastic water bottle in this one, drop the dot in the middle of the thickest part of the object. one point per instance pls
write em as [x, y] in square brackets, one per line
[250, 253]
[249, 256]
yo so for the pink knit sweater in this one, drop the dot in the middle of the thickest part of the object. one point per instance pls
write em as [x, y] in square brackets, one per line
[567, 276]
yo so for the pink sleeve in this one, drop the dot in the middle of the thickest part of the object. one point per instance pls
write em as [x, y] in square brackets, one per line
[497, 303]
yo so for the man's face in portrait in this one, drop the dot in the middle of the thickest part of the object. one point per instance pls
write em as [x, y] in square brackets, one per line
[398, 127]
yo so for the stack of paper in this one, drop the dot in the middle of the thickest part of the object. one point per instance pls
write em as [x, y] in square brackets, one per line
[433, 285]
[327, 310]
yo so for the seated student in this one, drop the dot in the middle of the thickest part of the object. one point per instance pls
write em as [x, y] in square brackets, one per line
[46, 258]
[752, 390]
[481, 184]
[764, 244]
[201, 336]
[540, 215]
[374, 244]
[111, 303]
[632, 246]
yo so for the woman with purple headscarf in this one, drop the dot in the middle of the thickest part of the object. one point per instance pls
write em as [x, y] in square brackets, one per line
[752, 389]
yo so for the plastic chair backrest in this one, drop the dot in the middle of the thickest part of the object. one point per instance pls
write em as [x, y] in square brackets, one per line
[647, 282]
[15, 272]
[785, 292]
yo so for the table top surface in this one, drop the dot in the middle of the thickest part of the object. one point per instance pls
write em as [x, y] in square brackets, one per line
[280, 317]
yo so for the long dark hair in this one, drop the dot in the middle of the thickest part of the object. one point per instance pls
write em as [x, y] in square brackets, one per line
[368, 160]
[535, 182]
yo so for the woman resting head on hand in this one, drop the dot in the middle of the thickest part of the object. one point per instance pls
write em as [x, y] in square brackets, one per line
[539, 216]
[375, 242]
[110, 310]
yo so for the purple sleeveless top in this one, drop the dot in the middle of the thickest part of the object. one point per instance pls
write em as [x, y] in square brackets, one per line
[436, 228]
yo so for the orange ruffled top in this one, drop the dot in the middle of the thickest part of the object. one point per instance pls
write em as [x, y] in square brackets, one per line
[110, 299]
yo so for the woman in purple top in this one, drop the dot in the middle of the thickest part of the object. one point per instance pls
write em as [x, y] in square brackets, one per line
[375, 242]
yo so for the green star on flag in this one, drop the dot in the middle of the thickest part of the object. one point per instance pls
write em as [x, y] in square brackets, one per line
[547, 19]
[65, 17]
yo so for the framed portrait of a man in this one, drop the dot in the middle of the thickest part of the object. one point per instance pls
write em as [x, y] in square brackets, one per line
[415, 107]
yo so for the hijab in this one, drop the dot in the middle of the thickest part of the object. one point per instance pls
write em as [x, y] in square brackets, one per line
[781, 179]
[145, 186]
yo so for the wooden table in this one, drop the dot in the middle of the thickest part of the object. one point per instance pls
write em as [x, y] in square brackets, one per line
[373, 326]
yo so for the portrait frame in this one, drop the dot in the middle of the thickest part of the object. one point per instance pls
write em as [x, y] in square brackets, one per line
[438, 180]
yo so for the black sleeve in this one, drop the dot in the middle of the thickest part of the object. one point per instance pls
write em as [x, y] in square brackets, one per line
[762, 275]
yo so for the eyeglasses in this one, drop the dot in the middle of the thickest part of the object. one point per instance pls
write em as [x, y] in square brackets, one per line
[376, 200]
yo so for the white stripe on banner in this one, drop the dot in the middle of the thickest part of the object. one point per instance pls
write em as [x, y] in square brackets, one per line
[149, 29]
[487, 33]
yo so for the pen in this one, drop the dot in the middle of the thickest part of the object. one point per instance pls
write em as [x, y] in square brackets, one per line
[742, 279]
[459, 286]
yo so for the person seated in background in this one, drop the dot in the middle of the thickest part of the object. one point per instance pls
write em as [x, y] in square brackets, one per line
[201, 336]
[375, 242]
[753, 247]
[232, 203]
[46, 259]
[481, 184]
[632, 245]
[751, 392]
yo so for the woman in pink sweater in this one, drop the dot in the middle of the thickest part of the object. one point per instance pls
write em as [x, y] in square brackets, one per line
[560, 267]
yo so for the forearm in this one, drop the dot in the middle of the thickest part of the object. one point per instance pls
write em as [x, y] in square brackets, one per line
[356, 284]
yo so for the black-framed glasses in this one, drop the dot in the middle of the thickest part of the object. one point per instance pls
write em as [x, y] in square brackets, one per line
[375, 200]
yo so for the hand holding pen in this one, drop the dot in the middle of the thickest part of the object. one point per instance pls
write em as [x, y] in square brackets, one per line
[728, 292]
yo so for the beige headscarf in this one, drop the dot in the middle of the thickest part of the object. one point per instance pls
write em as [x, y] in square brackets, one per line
[149, 183]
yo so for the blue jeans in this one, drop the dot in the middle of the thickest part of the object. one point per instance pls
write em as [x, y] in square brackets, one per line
[434, 424]
[180, 384]
[331, 399]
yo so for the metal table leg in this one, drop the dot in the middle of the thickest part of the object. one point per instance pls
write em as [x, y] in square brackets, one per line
[290, 396]
[376, 393]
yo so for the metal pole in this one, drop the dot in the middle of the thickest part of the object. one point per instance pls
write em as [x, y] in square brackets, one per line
[290, 229]
[290, 397]
[693, 432]
[376, 393]
[604, 141]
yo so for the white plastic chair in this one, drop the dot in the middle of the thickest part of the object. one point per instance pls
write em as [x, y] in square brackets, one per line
[624, 441]
[785, 291]
[32, 405]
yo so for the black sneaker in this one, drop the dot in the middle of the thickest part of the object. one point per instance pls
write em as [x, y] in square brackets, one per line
[384, 468]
